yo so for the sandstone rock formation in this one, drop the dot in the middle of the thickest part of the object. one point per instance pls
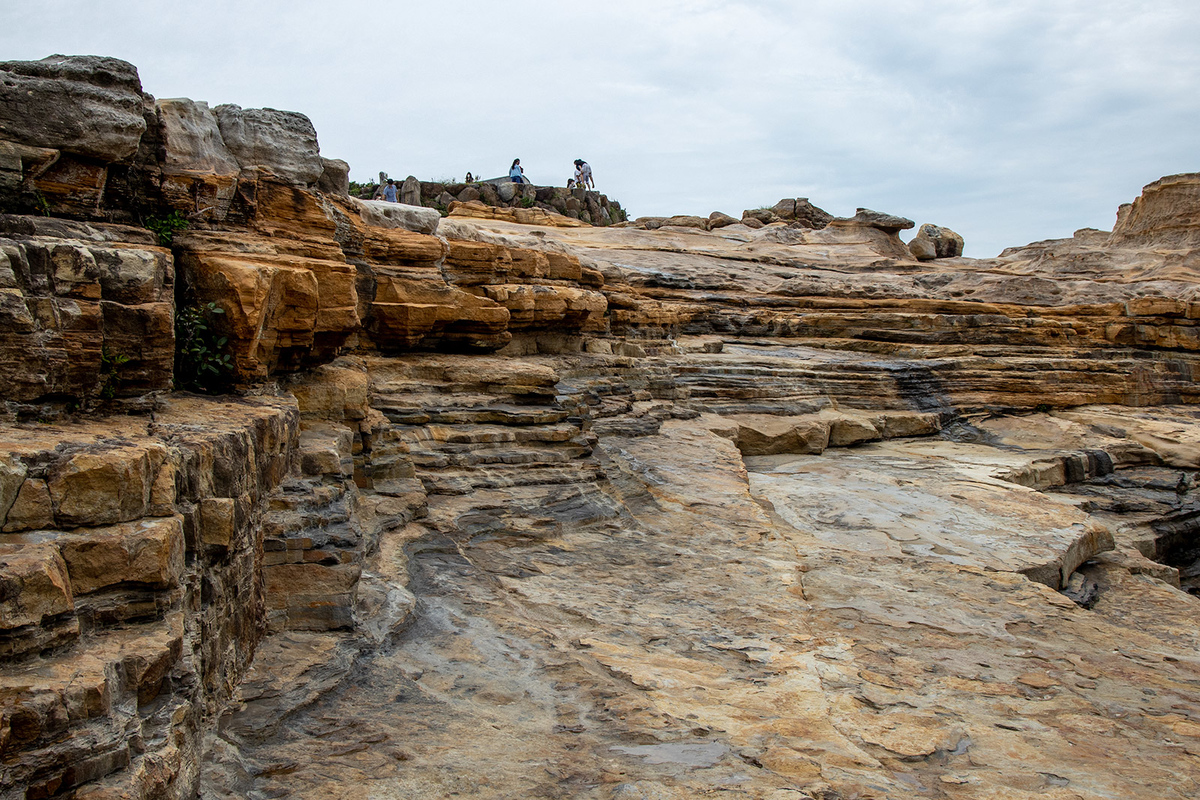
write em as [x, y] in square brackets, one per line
[83, 105]
[933, 241]
[1165, 214]
[282, 142]
[510, 506]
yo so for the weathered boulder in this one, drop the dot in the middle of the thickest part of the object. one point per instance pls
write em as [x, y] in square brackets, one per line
[410, 191]
[192, 139]
[488, 195]
[398, 215]
[686, 221]
[199, 174]
[810, 216]
[865, 217]
[763, 215]
[281, 142]
[507, 191]
[1167, 214]
[87, 105]
[335, 176]
[719, 220]
[934, 241]
[880, 231]
[801, 212]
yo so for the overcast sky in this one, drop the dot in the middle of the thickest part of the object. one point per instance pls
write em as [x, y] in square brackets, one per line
[1008, 121]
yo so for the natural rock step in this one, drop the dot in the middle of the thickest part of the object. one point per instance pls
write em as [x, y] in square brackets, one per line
[1046, 473]
[438, 435]
[465, 481]
[500, 386]
[281, 524]
[304, 495]
[344, 537]
[439, 459]
[486, 412]
[81, 713]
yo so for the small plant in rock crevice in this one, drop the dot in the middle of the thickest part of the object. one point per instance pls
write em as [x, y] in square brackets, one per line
[164, 227]
[200, 361]
[110, 378]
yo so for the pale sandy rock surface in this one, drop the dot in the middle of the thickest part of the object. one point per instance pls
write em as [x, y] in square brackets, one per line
[505, 505]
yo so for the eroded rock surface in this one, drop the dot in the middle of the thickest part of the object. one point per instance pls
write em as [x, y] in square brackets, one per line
[509, 505]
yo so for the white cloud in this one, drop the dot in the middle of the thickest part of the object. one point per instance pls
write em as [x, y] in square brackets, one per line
[1008, 121]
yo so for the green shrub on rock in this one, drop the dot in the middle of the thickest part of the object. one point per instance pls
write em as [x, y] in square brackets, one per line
[200, 363]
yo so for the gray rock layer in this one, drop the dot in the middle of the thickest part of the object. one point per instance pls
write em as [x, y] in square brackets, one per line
[282, 142]
[87, 105]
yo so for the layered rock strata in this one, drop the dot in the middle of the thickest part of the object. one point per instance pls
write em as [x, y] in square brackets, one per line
[510, 507]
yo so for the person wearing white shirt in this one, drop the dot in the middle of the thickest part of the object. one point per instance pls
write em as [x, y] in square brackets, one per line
[583, 174]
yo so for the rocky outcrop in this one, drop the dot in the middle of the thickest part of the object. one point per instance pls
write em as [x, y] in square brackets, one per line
[798, 213]
[1167, 214]
[199, 173]
[523, 216]
[589, 207]
[802, 212]
[86, 311]
[284, 143]
[86, 106]
[108, 152]
[335, 176]
[120, 644]
[933, 242]
[664, 508]
[719, 220]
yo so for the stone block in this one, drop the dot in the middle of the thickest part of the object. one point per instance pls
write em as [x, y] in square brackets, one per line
[12, 476]
[845, 431]
[335, 177]
[282, 142]
[105, 487]
[311, 597]
[333, 391]
[381, 214]
[218, 522]
[146, 553]
[34, 585]
[762, 434]
[89, 105]
[31, 509]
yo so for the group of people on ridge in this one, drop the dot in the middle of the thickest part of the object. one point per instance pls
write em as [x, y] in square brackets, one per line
[583, 174]
[582, 179]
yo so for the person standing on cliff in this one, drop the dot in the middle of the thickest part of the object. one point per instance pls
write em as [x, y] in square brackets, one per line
[515, 173]
[583, 174]
[389, 191]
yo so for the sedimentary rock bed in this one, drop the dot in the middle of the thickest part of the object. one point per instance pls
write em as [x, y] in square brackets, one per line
[502, 505]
